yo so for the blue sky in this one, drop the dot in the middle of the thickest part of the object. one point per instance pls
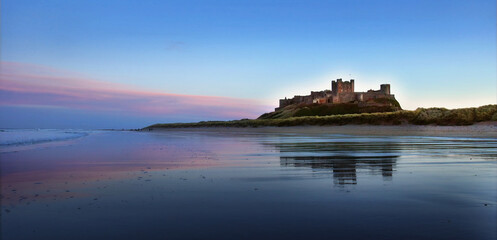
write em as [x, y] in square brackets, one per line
[434, 53]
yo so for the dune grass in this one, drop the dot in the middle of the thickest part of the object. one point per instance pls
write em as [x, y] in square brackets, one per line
[420, 116]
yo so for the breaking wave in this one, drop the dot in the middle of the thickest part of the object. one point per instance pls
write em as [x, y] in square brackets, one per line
[21, 137]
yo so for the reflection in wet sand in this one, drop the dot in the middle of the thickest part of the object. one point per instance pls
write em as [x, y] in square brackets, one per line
[86, 165]
[344, 168]
[344, 159]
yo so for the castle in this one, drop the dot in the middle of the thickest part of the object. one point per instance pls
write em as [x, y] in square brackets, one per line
[341, 92]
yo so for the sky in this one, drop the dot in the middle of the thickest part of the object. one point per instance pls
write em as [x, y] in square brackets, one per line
[129, 64]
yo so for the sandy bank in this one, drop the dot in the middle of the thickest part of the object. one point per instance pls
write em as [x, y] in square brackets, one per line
[479, 130]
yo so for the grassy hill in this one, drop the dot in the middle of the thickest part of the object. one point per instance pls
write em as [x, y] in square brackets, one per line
[420, 116]
[373, 106]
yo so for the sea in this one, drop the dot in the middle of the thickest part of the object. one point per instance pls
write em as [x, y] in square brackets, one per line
[244, 184]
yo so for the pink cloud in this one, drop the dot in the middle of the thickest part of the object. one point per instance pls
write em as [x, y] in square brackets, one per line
[27, 84]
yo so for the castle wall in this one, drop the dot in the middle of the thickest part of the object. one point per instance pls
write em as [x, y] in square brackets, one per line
[341, 92]
[346, 97]
[370, 95]
[320, 94]
[285, 102]
[320, 100]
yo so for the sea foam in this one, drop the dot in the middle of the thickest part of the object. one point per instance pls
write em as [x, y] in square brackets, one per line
[21, 137]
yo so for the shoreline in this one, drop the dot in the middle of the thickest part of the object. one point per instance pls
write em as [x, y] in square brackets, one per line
[420, 116]
[487, 129]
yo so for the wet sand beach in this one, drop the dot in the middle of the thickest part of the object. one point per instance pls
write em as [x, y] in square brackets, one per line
[479, 130]
[346, 182]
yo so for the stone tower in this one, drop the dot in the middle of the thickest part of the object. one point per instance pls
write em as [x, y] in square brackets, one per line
[385, 88]
[340, 86]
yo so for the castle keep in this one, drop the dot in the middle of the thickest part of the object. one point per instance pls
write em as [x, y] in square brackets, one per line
[341, 92]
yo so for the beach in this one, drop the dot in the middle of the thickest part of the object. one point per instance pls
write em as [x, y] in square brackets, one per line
[479, 130]
[347, 182]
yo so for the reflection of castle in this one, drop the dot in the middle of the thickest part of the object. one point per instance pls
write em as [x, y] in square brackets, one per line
[344, 167]
[341, 92]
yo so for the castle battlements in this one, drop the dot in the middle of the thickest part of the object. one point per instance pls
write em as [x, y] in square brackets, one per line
[341, 92]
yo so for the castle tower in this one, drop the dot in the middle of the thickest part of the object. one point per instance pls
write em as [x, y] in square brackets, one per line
[340, 86]
[385, 88]
[334, 86]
